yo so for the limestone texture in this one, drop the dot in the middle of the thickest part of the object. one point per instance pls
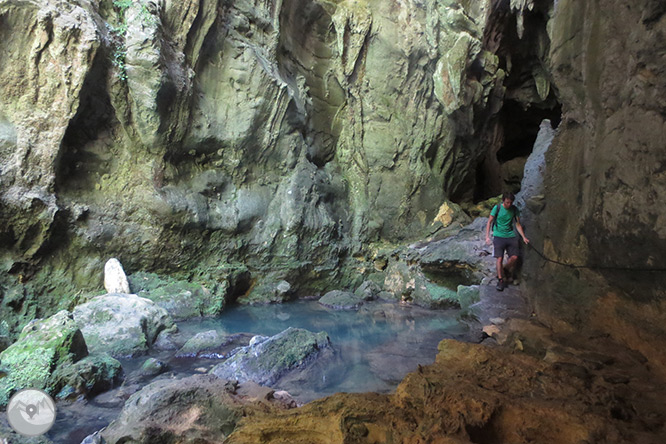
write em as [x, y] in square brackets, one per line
[121, 324]
[211, 344]
[474, 393]
[604, 182]
[181, 299]
[210, 140]
[197, 409]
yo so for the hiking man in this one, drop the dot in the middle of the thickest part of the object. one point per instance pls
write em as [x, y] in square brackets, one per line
[502, 218]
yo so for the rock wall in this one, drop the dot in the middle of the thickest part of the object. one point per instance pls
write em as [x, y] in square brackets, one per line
[605, 182]
[209, 138]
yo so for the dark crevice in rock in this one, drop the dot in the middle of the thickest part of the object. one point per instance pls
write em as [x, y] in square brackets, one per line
[521, 126]
[78, 160]
[304, 63]
[239, 286]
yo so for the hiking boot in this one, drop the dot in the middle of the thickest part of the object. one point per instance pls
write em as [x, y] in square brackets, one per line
[500, 285]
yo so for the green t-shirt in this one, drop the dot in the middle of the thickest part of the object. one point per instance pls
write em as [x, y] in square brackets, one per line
[504, 221]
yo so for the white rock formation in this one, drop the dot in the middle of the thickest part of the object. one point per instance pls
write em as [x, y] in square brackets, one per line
[115, 280]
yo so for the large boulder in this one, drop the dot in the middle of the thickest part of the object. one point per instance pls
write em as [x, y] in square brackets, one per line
[266, 360]
[91, 375]
[51, 354]
[121, 324]
[197, 409]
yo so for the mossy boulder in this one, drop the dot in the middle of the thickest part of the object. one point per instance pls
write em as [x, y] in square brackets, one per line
[266, 360]
[89, 376]
[341, 300]
[51, 354]
[267, 290]
[121, 324]
[42, 346]
[181, 299]
[369, 290]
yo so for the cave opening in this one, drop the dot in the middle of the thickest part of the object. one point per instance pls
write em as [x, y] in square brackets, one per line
[530, 97]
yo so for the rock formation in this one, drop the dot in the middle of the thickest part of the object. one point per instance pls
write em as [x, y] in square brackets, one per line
[233, 142]
[263, 150]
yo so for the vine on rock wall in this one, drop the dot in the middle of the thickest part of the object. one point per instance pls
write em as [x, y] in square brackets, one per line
[120, 30]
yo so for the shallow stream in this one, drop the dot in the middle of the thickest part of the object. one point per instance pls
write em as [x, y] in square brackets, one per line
[375, 347]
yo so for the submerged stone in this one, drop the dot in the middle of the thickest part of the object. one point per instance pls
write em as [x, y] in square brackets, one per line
[341, 300]
[121, 325]
[269, 359]
[211, 344]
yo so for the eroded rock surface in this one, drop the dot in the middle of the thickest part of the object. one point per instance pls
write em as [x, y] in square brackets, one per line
[195, 138]
[121, 324]
[475, 393]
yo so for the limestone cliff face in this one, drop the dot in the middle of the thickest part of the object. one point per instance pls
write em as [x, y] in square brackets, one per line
[274, 135]
[605, 178]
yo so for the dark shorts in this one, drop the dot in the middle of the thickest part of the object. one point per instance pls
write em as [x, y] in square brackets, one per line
[508, 244]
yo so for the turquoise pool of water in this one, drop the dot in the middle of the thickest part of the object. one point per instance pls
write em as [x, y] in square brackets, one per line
[374, 348]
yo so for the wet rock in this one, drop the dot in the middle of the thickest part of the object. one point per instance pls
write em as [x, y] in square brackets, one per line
[466, 253]
[121, 325]
[467, 296]
[153, 367]
[211, 344]
[266, 290]
[341, 300]
[408, 284]
[91, 375]
[167, 340]
[115, 280]
[266, 360]
[200, 408]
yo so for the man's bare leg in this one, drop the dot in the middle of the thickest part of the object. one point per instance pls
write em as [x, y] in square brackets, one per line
[511, 264]
[500, 268]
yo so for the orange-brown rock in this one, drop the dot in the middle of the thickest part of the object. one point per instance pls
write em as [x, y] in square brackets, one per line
[479, 394]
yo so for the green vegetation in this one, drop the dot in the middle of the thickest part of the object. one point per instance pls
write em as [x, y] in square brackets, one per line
[119, 55]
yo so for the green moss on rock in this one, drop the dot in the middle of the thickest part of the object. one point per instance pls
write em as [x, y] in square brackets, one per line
[43, 346]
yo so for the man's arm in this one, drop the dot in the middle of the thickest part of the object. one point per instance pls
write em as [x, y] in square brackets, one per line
[519, 227]
[490, 222]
